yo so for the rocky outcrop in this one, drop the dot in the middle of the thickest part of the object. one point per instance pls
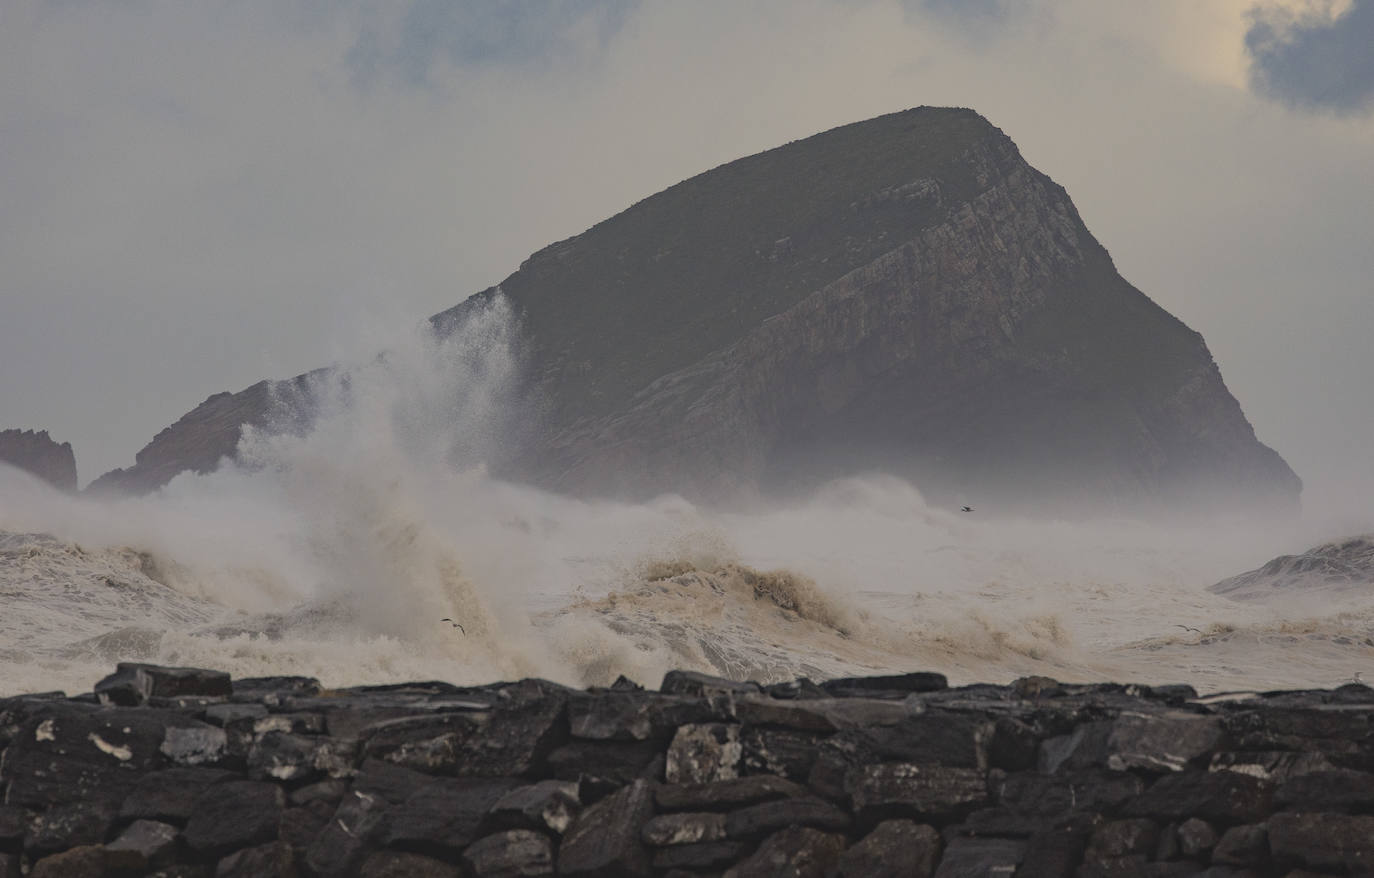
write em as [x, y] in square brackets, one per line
[187, 773]
[905, 294]
[37, 453]
[1341, 565]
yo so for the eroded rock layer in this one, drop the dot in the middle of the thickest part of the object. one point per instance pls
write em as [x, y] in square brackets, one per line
[36, 452]
[184, 772]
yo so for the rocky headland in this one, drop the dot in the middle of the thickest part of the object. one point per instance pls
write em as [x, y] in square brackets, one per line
[1336, 566]
[185, 772]
[37, 453]
[904, 294]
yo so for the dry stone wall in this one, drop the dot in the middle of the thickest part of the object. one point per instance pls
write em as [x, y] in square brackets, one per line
[185, 772]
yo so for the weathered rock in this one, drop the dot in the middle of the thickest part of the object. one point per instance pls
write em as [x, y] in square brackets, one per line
[796, 689]
[1196, 838]
[14, 822]
[86, 861]
[223, 714]
[9, 865]
[143, 846]
[1162, 742]
[1246, 845]
[604, 840]
[1343, 734]
[685, 827]
[1055, 795]
[280, 756]
[444, 817]
[795, 852]
[784, 752]
[69, 824]
[399, 864]
[300, 826]
[515, 853]
[726, 794]
[169, 794]
[547, 806]
[272, 860]
[759, 820]
[275, 688]
[232, 815]
[1323, 841]
[1122, 838]
[344, 842]
[197, 744]
[701, 856]
[132, 683]
[978, 857]
[894, 849]
[37, 453]
[917, 681]
[613, 762]
[954, 740]
[1217, 796]
[704, 753]
[1055, 853]
[1339, 790]
[923, 791]
[821, 714]
[330, 790]
[1084, 747]
[699, 685]
[640, 716]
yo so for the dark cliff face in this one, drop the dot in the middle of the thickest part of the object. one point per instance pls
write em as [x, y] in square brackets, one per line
[904, 294]
[37, 453]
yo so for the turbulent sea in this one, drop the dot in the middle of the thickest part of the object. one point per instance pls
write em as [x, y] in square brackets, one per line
[338, 553]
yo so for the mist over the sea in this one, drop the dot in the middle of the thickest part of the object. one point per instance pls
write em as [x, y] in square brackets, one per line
[338, 552]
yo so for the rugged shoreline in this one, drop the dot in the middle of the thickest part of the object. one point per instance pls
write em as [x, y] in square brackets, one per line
[185, 772]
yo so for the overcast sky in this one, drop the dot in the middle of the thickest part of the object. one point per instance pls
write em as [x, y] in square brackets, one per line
[195, 196]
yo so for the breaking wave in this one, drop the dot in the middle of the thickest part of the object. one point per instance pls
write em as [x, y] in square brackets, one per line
[340, 551]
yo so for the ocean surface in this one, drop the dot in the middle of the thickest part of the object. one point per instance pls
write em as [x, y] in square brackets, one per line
[340, 553]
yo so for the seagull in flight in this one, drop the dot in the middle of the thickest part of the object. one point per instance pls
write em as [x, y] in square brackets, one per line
[1186, 628]
[455, 625]
[966, 509]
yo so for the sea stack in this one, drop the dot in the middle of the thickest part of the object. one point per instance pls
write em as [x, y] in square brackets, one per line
[37, 453]
[904, 295]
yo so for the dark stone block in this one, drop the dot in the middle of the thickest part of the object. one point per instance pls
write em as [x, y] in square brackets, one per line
[1123, 838]
[1060, 795]
[1343, 734]
[1329, 842]
[14, 823]
[953, 740]
[727, 794]
[87, 861]
[9, 865]
[1170, 741]
[1196, 838]
[1015, 746]
[823, 715]
[796, 689]
[918, 681]
[223, 714]
[233, 815]
[1083, 748]
[331, 791]
[1338, 790]
[443, 817]
[701, 856]
[1054, 854]
[700, 685]
[1225, 797]
[515, 853]
[399, 864]
[703, 753]
[547, 806]
[604, 840]
[68, 825]
[796, 852]
[1002, 823]
[684, 827]
[272, 860]
[980, 858]
[272, 690]
[782, 752]
[1243, 846]
[932, 792]
[894, 849]
[640, 716]
[132, 684]
[169, 794]
[759, 820]
[389, 782]
[299, 827]
[143, 846]
[611, 761]
[282, 757]
[349, 835]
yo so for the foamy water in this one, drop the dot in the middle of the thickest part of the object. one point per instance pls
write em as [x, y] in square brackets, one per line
[338, 553]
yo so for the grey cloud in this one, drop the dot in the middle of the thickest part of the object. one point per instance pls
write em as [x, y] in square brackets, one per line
[1312, 62]
[408, 40]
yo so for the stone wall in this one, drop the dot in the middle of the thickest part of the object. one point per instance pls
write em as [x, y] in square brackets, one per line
[181, 772]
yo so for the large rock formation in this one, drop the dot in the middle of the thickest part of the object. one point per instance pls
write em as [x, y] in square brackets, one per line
[1339, 566]
[37, 453]
[904, 294]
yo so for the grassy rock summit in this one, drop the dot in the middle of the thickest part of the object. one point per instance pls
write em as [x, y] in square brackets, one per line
[904, 294]
[37, 453]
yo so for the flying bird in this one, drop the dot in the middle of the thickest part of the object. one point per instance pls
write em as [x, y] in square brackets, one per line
[1186, 628]
[455, 625]
[966, 509]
